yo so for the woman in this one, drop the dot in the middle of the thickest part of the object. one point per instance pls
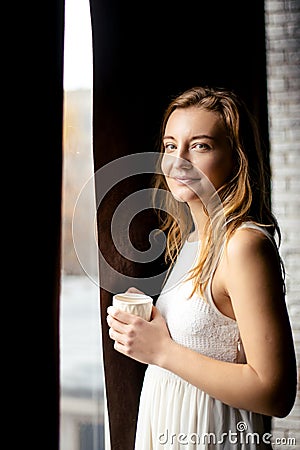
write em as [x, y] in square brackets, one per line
[219, 347]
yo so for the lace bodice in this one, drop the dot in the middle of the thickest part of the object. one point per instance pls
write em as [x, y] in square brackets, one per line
[195, 322]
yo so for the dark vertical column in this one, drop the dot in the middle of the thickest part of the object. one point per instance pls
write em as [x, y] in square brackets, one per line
[48, 258]
[144, 53]
[48, 196]
[35, 179]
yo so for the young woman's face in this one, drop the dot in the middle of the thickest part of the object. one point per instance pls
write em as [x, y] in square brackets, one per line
[197, 155]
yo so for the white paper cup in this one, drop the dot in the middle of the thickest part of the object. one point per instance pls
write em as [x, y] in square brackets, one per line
[134, 303]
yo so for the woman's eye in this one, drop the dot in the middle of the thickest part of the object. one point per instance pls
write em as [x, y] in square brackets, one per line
[200, 147]
[169, 148]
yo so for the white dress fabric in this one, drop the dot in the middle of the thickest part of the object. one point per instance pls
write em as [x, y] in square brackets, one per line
[174, 414]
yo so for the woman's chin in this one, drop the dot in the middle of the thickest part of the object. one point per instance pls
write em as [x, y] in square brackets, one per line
[184, 193]
[184, 197]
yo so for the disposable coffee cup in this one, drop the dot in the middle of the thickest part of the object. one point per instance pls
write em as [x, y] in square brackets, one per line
[134, 303]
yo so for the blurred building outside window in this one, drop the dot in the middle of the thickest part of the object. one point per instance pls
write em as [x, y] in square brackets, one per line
[81, 372]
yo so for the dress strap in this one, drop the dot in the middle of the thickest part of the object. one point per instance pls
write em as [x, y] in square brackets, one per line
[254, 226]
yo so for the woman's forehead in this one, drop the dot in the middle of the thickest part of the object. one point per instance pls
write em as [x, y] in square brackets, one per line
[192, 121]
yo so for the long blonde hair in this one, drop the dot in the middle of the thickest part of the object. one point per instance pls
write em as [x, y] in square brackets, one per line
[244, 197]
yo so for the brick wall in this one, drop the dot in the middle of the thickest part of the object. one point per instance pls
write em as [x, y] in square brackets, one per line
[283, 69]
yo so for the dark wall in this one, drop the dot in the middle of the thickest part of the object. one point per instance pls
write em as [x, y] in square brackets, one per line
[144, 53]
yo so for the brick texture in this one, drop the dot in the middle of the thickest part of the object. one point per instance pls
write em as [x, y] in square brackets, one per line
[283, 79]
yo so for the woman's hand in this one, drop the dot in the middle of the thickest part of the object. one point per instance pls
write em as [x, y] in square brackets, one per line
[143, 341]
[134, 290]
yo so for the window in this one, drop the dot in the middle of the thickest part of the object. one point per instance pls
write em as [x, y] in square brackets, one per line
[81, 375]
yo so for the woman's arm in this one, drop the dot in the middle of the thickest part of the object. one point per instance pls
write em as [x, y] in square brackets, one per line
[267, 382]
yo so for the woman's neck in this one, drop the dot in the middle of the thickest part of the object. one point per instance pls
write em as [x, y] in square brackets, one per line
[200, 219]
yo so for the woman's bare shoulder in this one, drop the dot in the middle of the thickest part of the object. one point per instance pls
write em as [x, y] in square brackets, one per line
[250, 242]
[254, 252]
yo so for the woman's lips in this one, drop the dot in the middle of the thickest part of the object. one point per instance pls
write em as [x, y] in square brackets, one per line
[184, 180]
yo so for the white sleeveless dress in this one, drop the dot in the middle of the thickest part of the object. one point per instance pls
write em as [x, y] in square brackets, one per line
[174, 414]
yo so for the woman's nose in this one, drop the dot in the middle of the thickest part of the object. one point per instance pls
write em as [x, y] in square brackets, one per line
[175, 162]
[181, 161]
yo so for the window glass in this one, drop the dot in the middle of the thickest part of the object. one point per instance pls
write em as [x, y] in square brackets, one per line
[81, 375]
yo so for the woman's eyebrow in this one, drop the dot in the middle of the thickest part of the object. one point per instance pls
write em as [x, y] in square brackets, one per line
[168, 137]
[199, 136]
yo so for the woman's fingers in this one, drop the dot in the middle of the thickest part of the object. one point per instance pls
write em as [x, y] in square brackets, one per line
[121, 324]
[134, 290]
[115, 324]
[116, 336]
[122, 316]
